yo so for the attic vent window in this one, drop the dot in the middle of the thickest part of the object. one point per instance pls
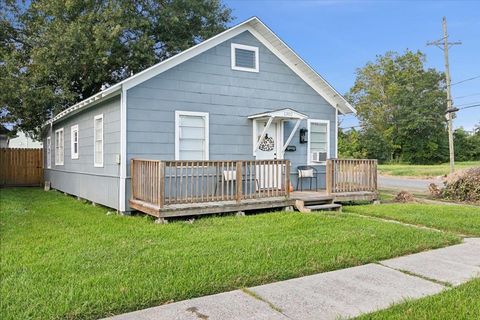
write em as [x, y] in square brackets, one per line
[244, 58]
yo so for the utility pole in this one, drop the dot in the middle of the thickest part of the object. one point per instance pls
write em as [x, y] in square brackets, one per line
[443, 44]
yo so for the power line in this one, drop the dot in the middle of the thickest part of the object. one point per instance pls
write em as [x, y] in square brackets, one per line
[465, 80]
[466, 104]
[468, 95]
[472, 106]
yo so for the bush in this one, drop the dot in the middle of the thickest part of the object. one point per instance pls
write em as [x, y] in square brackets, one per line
[463, 185]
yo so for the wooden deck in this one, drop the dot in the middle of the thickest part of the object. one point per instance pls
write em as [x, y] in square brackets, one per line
[183, 188]
[200, 208]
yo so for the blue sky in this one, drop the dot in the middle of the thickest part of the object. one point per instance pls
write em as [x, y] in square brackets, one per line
[336, 37]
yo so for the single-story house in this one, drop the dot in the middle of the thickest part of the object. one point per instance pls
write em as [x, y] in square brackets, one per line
[22, 140]
[240, 95]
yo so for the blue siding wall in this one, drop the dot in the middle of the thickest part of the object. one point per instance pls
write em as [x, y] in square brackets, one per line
[79, 176]
[207, 83]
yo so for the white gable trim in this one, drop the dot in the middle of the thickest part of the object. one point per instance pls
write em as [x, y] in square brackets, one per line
[259, 31]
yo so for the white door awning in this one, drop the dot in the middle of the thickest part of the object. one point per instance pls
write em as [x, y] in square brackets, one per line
[281, 114]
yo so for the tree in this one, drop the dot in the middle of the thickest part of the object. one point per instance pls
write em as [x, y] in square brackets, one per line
[401, 107]
[349, 144]
[55, 53]
[467, 146]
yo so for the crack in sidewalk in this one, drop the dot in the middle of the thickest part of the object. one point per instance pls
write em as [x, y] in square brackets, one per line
[260, 298]
[413, 274]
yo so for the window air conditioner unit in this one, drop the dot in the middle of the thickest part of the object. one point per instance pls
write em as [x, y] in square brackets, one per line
[319, 156]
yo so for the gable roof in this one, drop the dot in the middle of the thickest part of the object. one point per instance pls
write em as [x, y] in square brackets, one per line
[260, 31]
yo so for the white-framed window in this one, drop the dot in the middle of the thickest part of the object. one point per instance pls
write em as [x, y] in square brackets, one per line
[245, 58]
[98, 141]
[318, 147]
[49, 152]
[191, 135]
[59, 147]
[74, 141]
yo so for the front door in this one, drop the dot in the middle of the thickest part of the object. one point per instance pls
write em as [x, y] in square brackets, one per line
[269, 175]
[271, 144]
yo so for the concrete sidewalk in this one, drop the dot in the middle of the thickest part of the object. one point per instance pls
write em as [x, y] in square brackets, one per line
[342, 293]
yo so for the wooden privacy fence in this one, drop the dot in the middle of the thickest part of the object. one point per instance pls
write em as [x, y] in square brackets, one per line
[174, 182]
[21, 167]
[351, 175]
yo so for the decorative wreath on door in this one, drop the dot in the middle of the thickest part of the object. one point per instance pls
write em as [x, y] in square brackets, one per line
[268, 144]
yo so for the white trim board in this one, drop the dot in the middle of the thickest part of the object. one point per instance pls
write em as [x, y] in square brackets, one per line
[122, 188]
[259, 30]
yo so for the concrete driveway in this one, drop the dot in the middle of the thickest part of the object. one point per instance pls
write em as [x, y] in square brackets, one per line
[406, 184]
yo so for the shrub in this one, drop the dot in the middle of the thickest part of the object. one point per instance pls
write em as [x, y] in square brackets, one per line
[463, 185]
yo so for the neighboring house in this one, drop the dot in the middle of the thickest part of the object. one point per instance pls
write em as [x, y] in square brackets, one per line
[21, 140]
[211, 102]
[4, 138]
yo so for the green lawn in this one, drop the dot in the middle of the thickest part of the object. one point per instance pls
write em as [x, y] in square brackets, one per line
[462, 302]
[61, 258]
[423, 170]
[453, 218]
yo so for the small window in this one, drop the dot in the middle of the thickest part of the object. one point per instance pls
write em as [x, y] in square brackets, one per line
[318, 141]
[98, 140]
[49, 152]
[59, 147]
[74, 142]
[191, 135]
[244, 58]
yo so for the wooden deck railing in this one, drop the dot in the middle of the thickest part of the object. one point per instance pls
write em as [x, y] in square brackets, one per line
[351, 175]
[175, 182]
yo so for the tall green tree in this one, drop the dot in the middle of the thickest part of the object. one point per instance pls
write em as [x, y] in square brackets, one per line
[57, 52]
[467, 145]
[350, 144]
[401, 106]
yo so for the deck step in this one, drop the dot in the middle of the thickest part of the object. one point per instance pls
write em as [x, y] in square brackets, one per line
[312, 202]
[328, 206]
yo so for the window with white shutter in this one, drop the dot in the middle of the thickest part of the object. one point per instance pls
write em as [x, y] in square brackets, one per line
[191, 135]
[98, 140]
[59, 147]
